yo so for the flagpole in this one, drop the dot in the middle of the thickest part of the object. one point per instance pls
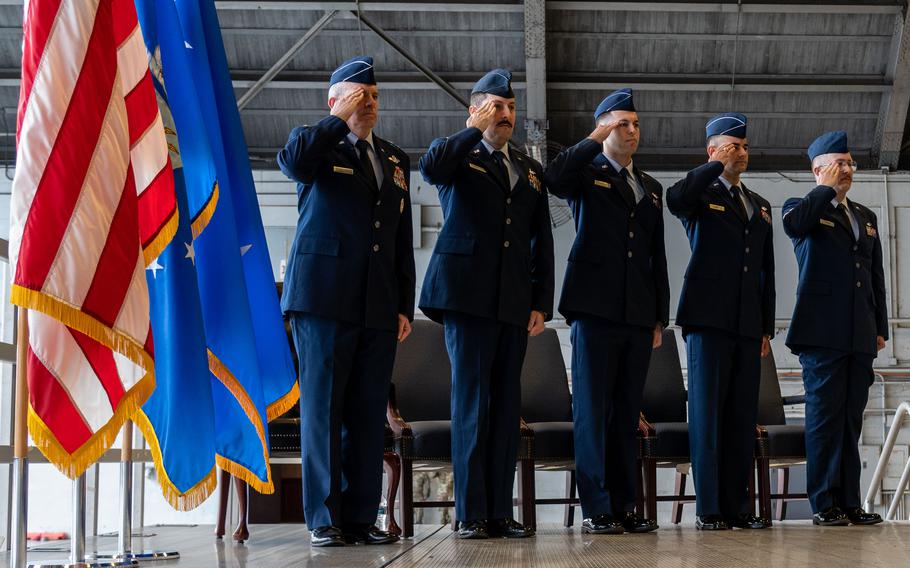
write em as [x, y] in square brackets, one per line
[20, 445]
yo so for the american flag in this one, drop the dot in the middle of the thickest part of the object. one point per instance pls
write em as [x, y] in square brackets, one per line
[92, 205]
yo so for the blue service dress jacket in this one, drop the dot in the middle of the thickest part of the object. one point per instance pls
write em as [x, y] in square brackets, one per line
[840, 299]
[494, 255]
[729, 283]
[617, 268]
[352, 258]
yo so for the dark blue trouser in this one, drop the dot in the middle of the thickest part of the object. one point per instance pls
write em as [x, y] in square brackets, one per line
[724, 375]
[345, 372]
[837, 389]
[486, 358]
[609, 367]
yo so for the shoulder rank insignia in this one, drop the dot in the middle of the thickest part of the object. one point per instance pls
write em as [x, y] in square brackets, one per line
[602, 183]
[532, 179]
[766, 215]
[655, 200]
[826, 222]
[393, 158]
[716, 207]
[870, 230]
[398, 178]
[475, 152]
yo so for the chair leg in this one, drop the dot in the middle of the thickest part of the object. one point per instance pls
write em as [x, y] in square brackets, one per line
[650, 487]
[406, 497]
[763, 470]
[783, 488]
[526, 494]
[679, 490]
[224, 491]
[391, 463]
[569, 515]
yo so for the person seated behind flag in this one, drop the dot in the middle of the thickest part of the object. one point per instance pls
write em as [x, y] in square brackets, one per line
[349, 295]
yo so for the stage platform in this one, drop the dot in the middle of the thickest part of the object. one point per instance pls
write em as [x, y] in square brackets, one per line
[791, 543]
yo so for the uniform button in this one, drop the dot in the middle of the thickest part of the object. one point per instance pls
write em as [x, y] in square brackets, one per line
[508, 200]
[859, 284]
[506, 244]
[747, 231]
[855, 247]
[508, 220]
[377, 224]
[632, 215]
[375, 248]
[745, 269]
[631, 235]
[630, 254]
[747, 250]
[378, 203]
[857, 265]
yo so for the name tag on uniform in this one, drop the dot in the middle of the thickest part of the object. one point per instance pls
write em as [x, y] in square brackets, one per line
[600, 183]
[826, 222]
[342, 170]
[474, 166]
[716, 207]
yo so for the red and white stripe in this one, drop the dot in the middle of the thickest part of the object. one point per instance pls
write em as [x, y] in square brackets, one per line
[93, 194]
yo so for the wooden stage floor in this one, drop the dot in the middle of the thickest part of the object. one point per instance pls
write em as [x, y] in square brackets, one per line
[791, 543]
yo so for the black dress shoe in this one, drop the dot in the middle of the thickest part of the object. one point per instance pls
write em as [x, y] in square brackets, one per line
[602, 524]
[473, 530]
[830, 517]
[368, 534]
[749, 521]
[326, 536]
[637, 524]
[508, 528]
[711, 523]
[858, 516]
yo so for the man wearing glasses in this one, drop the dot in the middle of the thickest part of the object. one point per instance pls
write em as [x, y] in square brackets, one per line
[839, 324]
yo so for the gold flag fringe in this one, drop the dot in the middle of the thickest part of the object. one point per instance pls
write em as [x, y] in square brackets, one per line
[199, 223]
[160, 241]
[73, 465]
[284, 403]
[180, 500]
[227, 378]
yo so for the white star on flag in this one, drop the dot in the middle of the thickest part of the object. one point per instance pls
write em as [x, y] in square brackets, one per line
[190, 253]
[155, 267]
[245, 249]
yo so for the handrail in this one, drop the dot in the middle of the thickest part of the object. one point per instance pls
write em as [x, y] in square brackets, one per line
[903, 413]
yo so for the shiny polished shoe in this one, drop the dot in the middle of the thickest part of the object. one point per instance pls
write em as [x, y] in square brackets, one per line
[473, 530]
[368, 534]
[749, 521]
[508, 528]
[602, 524]
[830, 517]
[858, 516]
[326, 536]
[637, 524]
[711, 523]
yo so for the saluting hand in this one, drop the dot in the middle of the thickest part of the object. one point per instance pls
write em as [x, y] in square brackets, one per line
[535, 324]
[345, 106]
[482, 117]
[829, 175]
[602, 132]
[724, 154]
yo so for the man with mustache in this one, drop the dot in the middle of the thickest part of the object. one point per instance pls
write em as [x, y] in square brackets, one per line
[349, 294]
[616, 296]
[490, 282]
[726, 310]
[839, 324]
